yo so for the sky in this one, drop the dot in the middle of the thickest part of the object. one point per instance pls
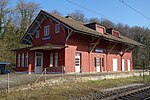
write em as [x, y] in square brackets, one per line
[115, 10]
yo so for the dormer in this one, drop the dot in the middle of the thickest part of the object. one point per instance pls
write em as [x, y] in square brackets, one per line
[113, 32]
[97, 27]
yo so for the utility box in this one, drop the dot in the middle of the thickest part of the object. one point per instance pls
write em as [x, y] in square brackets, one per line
[3, 67]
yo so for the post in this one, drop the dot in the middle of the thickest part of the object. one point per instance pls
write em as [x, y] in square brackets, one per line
[143, 64]
[8, 83]
[143, 70]
[62, 69]
[45, 75]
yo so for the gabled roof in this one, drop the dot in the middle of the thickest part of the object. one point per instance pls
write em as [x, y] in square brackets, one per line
[80, 28]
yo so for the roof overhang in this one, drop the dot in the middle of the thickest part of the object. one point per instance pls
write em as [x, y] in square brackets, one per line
[48, 47]
[27, 38]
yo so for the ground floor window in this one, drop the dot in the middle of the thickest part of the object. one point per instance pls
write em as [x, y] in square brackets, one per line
[26, 60]
[56, 59]
[22, 60]
[51, 59]
[18, 60]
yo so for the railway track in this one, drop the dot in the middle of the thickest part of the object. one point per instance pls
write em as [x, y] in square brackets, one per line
[142, 93]
[137, 92]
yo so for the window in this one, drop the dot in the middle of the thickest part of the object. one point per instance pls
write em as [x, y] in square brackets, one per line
[26, 60]
[57, 28]
[56, 59]
[18, 60]
[51, 59]
[97, 62]
[22, 60]
[46, 30]
[37, 34]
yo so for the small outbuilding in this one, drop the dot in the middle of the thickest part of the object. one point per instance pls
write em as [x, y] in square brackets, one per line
[2, 67]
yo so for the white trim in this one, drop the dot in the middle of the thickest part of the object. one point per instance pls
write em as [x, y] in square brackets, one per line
[22, 60]
[51, 59]
[39, 24]
[18, 60]
[129, 65]
[123, 65]
[28, 41]
[21, 72]
[46, 30]
[30, 35]
[37, 34]
[56, 59]
[26, 59]
[77, 62]
[41, 62]
[115, 64]
[57, 28]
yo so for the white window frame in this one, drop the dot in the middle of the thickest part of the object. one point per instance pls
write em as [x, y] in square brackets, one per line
[26, 60]
[18, 60]
[51, 60]
[46, 30]
[37, 34]
[57, 28]
[22, 60]
[56, 59]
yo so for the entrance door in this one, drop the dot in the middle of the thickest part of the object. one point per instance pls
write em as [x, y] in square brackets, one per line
[115, 64]
[77, 62]
[38, 62]
[128, 65]
[122, 64]
[98, 64]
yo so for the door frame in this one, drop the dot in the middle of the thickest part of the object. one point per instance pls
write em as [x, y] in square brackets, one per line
[129, 65]
[123, 65]
[36, 60]
[115, 68]
[98, 68]
[79, 62]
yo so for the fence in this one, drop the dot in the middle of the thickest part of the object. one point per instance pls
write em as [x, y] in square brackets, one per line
[18, 80]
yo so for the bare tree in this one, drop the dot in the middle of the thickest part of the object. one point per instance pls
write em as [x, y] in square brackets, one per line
[94, 20]
[4, 10]
[78, 16]
[56, 12]
[27, 12]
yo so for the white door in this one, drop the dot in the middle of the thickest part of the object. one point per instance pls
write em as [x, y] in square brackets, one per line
[77, 62]
[128, 65]
[38, 62]
[122, 64]
[98, 62]
[115, 64]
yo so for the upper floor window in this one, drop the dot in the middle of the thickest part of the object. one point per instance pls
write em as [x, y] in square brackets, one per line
[37, 34]
[46, 30]
[57, 28]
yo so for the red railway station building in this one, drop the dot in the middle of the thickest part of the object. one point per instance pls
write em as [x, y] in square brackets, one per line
[58, 43]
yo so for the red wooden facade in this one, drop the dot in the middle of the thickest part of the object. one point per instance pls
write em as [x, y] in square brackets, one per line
[64, 49]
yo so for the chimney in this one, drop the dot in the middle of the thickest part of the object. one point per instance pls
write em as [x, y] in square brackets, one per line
[97, 27]
[69, 17]
[113, 32]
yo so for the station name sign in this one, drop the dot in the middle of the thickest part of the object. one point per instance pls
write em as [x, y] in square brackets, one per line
[99, 50]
